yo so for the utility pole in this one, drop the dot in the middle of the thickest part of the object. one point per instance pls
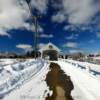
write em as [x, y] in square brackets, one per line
[35, 18]
[35, 21]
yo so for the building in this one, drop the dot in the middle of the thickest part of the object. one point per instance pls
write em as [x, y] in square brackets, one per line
[77, 56]
[50, 51]
[7, 55]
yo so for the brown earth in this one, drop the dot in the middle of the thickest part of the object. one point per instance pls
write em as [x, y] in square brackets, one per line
[59, 83]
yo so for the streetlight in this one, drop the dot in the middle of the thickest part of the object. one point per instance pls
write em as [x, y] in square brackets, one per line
[35, 21]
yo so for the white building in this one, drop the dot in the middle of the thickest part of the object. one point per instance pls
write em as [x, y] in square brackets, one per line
[51, 51]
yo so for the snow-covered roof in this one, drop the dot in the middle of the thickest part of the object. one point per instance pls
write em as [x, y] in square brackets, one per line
[49, 46]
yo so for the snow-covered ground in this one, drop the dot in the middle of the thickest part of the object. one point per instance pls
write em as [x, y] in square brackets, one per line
[93, 68]
[24, 80]
[96, 58]
[8, 61]
[86, 86]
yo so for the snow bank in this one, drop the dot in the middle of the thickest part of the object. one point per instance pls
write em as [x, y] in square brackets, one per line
[34, 89]
[14, 75]
[86, 87]
[92, 68]
[96, 58]
[7, 61]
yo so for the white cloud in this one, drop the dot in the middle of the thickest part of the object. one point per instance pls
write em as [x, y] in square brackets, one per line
[32, 28]
[46, 36]
[13, 15]
[3, 32]
[79, 11]
[92, 41]
[40, 5]
[76, 51]
[98, 34]
[41, 45]
[59, 17]
[25, 47]
[71, 45]
[70, 27]
[40, 29]
[72, 37]
[87, 28]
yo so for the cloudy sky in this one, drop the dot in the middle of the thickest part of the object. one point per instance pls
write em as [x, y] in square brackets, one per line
[72, 25]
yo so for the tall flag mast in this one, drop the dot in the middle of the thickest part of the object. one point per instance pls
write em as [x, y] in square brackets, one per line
[35, 21]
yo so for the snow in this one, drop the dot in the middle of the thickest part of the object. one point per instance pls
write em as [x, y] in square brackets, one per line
[26, 79]
[86, 86]
[47, 47]
[94, 68]
[7, 61]
[96, 58]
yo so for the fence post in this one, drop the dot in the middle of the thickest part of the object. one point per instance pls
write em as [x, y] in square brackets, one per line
[88, 69]
[76, 64]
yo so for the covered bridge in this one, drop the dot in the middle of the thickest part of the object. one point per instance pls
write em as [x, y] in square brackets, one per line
[51, 51]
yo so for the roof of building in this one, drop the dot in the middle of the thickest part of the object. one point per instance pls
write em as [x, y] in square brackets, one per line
[49, 46]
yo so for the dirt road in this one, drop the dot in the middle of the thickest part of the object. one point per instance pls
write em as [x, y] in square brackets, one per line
[59, 83]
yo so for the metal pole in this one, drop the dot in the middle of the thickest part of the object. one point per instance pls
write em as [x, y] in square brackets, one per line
[36, 37]
[34, 18]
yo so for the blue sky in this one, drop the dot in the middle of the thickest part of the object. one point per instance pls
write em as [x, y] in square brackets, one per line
[72, 25]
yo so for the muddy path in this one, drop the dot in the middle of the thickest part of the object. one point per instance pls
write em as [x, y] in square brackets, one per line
[59, 83]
